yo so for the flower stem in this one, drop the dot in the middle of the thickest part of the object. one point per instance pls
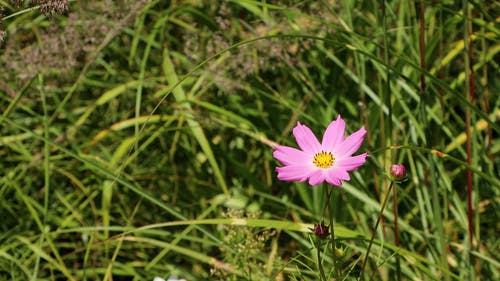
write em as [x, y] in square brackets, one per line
[396, 232]
[320, 263]
[375, 230]
[332, 236]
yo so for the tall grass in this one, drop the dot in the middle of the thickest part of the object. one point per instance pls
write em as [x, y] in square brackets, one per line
[136, 139]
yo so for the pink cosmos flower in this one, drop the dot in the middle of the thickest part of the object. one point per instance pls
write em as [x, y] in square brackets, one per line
[328, 161]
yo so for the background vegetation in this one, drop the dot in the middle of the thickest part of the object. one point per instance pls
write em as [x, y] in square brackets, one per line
[136, 137]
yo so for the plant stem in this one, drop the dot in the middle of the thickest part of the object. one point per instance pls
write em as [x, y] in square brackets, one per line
[469, 95]
[469, 85]
[320, 264]
[396, 232]
[332, 236]
[375, 230]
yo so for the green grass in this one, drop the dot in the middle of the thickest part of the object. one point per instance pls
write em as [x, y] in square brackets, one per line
[136, 139]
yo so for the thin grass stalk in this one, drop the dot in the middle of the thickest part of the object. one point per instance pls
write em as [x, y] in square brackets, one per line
[383, 99]
[396, 232]
[467, 121]
[486, 94]
[441, 92]
[488, 128]
[138, 96]
[474, 148]
[46, 163]
[380, 215]
[364, 113]
[469, 95]
[422, 47]
[436, 204]
[336, 267]
[361, 69]
[320, 263]
[381, 112]
[179, 237]
[109, 269]
[46, 157]
[388, 77]
[390, 135]
[440, 56]
[138, 103]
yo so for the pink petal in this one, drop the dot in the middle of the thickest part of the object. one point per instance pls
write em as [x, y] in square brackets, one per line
[306, 139]
[339, 173]
[334, 134]
[294, 172]
[317, 177]
[351, 163]
[289, 155]
[336, 176]
[351, 144]
[332, 179]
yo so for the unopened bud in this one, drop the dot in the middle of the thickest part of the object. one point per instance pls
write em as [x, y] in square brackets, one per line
[321, 230]
[398, 172]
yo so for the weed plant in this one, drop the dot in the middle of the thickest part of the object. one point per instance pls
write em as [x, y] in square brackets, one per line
[136, 139]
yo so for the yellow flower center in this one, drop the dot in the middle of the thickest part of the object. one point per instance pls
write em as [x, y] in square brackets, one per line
[324, 160]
